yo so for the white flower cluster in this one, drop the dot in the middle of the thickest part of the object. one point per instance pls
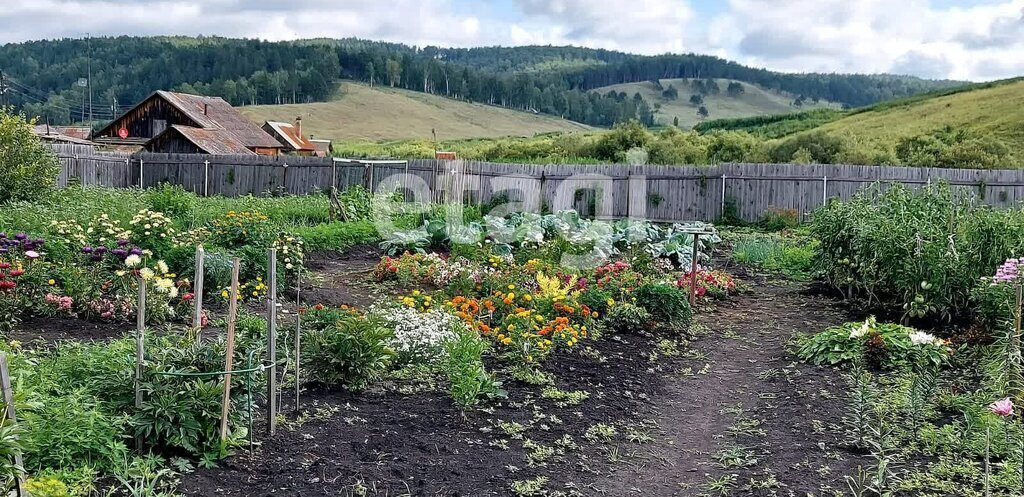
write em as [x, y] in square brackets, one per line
[419, 336]
[863, 329]
[291, 250]
[924, 338]
[70, 230]
[152, 223]
[106, 229]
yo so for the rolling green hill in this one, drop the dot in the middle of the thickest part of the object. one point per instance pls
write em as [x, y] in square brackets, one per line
[359, 112]
[993, 109]
[753, 101]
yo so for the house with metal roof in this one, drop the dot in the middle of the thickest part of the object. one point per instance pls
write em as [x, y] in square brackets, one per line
[183, 123]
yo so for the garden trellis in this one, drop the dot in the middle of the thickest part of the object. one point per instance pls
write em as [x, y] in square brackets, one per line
[269, 365]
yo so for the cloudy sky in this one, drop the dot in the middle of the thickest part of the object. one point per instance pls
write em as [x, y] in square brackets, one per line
[959, 39]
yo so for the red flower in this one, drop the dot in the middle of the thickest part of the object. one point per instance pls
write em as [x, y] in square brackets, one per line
[5, 265]
[17, 272]
[188, 297]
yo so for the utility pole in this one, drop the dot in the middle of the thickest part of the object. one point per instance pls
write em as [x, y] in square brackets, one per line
[88, 56]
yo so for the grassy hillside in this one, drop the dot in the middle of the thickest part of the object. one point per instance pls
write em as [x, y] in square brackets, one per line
[381, 113]
[754, 101]
[994, 109]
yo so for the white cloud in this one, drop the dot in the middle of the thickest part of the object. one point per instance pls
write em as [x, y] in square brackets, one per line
[911, 36]
[983, 41]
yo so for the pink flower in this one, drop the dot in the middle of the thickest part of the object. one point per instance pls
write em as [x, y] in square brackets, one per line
[31, 254]
[1002, 407]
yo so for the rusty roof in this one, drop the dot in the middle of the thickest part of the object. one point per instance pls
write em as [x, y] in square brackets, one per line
[212, 141]
[291, 135]
[214, 112]
[79, 132]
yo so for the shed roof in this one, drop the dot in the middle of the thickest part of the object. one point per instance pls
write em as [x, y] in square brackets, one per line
[214, 112]
[291, 135]
[212, 141]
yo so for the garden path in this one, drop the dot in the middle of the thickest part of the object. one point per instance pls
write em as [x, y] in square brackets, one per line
[742, 415]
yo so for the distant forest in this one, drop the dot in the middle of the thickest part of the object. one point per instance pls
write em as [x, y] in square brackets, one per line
[42, 77]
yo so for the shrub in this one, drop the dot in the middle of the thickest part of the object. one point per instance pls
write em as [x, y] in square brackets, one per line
[28, 170]
[348, 349]
[667, 304]
[63, 431]
[627, 317]
[777, 219]
[922, 249]
[170, 199]
[469, 381]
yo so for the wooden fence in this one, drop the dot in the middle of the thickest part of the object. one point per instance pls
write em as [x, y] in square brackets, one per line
[661, 193]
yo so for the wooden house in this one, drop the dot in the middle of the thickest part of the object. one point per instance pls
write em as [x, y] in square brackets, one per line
[290, 137]
[184, 123]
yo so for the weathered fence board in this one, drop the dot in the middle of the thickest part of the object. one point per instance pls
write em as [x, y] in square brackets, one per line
[662, 193]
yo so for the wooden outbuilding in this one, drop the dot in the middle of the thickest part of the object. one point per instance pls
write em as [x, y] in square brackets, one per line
[177, 122]
[290, 137]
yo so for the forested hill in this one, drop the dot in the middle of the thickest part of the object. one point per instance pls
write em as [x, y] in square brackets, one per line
[41, 76]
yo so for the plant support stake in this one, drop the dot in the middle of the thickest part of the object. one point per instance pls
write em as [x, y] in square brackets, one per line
[140, 330]
[298, 332]
[272, 341]
[5, 382]
[225, 404]
[693, 271]
[197, 290]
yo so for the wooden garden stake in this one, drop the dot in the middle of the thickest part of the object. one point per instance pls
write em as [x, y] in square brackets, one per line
[693, 271]
[197, 294]
[225, 404]
[298, 332]
[1015, 338]
[5, 381]
[140, 330]
[272, 341]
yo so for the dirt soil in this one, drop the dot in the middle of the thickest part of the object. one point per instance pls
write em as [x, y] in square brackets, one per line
[45, 330]
[730, 412]
[342, 277]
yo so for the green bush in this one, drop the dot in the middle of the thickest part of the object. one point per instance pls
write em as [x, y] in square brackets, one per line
[920, 249]
[172, 200]
[667, 304]
[626, 317]
[28, 170]
[469, 382]
[777, 219]
[67, 430]
[346, 349]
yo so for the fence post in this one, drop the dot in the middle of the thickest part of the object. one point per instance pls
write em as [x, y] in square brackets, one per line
[298, 333]
[5, 382]
[824, 190]
[140, 329]
[127, 171]
[272, 340]
[206, 178]
[225, 405]
[722, 213]
[197, 289]
[141, 184]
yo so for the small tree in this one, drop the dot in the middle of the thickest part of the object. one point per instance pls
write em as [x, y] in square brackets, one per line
[696, 99]
[735, 89]
[703, 112]
[675, 121]
[28, 169]
[671, 93]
